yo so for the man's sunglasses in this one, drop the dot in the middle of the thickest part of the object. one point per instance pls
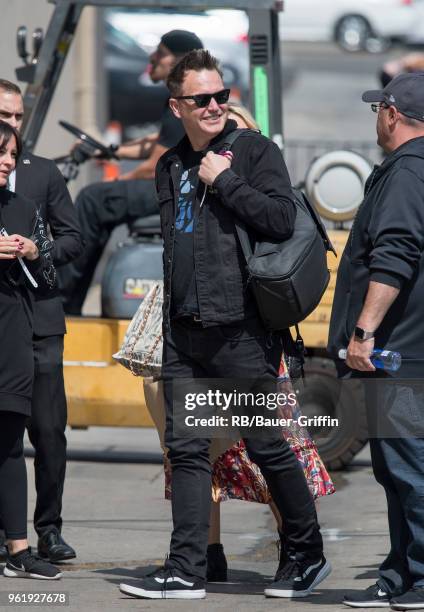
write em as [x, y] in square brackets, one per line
[203, 100]
[378, 107]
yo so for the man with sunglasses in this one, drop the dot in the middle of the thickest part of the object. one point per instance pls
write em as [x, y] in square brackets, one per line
[212, 329]
[103, 206]
[379, 303]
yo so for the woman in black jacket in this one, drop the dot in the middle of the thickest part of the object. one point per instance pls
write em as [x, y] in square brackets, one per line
[24, 264]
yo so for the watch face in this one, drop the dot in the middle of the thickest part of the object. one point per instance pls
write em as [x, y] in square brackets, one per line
[362, 334]
[359, 333]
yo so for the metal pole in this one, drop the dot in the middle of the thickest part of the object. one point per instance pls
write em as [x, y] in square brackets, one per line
[40, 90]
[265, 72]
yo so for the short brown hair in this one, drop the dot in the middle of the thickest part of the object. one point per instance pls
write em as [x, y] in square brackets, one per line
[197, 60]
[6, 133]
[10, 87]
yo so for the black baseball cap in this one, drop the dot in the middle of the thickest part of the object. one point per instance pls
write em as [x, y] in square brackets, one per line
[181, 41]
[405, 92]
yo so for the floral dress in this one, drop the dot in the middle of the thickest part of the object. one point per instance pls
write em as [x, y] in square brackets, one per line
[235, 476]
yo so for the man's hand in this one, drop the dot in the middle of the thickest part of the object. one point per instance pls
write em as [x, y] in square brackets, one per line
[358, 354]
[211, 166]
[377, 302]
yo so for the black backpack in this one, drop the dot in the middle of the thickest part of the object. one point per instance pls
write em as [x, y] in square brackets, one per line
[288, 277]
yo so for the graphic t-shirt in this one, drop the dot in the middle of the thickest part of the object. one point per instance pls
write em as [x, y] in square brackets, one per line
[184, 293]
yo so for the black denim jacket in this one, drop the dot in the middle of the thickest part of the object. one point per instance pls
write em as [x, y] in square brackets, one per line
[257, 189]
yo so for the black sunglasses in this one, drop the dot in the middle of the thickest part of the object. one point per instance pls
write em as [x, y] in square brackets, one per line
[203, 100]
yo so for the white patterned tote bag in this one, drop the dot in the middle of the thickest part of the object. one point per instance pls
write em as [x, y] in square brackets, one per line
[141, 350]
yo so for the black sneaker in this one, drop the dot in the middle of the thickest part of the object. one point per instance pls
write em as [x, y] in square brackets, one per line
[166, 583]
[373, 597]
[298, 578]
[411, 600]
[27, 565]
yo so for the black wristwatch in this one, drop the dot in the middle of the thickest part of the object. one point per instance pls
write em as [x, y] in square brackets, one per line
[361, 334]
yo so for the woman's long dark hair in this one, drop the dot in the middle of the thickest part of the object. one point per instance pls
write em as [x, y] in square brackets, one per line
[6, 133]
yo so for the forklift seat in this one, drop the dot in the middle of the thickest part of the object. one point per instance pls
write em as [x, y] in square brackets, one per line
[145, 226]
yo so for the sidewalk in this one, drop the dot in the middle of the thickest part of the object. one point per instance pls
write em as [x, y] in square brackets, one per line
[116, 518]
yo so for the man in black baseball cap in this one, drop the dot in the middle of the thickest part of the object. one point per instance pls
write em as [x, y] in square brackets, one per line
[378, 304]
[400, 108]
[405, 92]
[103, 206]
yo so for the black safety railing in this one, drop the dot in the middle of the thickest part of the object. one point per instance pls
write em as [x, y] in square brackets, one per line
[300, 153]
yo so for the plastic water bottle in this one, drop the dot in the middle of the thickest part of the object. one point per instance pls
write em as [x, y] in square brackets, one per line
[383, 360]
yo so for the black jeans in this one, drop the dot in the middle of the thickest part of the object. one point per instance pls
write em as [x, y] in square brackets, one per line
[46, 430]
[13, 476]
[101, 207]
[242, 351]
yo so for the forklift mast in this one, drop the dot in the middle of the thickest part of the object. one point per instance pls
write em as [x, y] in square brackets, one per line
[43, 74]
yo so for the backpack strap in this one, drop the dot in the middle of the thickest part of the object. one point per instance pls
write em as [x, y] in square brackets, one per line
[317, 220]
[244, 239]
[242, 234]
[230, 138]
[294, 353]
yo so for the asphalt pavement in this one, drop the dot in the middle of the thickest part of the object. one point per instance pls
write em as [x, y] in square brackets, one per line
[116, 517]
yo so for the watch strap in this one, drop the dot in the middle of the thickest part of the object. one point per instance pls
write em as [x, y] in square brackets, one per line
[362, 334]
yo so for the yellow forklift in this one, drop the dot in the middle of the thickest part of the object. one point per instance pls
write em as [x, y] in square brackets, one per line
[99, 391]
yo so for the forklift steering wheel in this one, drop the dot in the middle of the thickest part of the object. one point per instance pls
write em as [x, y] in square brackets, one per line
[105, 151]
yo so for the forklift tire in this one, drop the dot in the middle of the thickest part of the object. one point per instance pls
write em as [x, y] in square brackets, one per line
[320, 394]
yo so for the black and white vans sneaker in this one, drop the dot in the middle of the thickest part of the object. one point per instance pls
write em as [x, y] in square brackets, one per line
[298, 578]
[166, 583]
[27, 565]
[373, 597]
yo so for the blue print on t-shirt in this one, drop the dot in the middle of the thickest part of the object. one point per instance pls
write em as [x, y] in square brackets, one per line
[184, 221]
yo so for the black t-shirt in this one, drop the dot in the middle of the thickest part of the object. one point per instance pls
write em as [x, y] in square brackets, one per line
[184, 293]
[171, 130]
